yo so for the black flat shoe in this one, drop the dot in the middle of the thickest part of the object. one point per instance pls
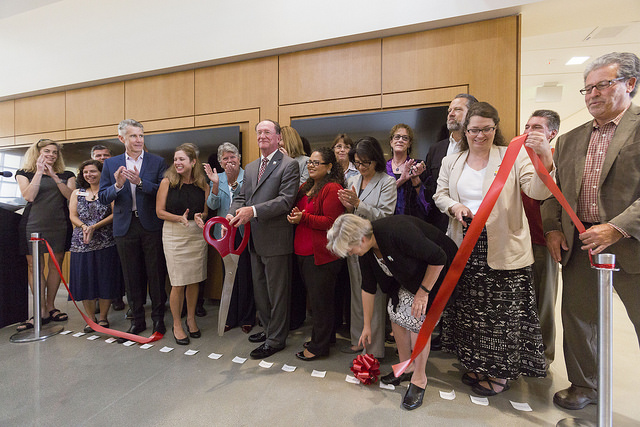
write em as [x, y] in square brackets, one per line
[264, 351]
[259, 337]
[300, 355]
[390, 378]
[413, 398]
[195, 334]
[181, 341]
[133, 329]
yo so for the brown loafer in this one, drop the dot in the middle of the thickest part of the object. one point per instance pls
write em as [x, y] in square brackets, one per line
[575, 397]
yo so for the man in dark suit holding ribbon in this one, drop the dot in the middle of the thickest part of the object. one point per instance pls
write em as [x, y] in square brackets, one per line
[131, 180]
[267, 196]
[599, 173]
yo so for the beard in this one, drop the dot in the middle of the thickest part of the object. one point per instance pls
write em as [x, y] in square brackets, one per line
[453, 126]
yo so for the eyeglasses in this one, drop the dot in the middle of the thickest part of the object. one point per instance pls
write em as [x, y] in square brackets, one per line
[600, 85]
[342, 147]
[359, 164]
[315, 163]
[398, 137]
[484, 131]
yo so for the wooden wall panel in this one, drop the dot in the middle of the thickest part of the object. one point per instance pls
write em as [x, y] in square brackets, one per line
[7, 141]
[343, 71]
[7, 118]
[159, 97]
[324, 108]
[39, 114]
[95, 106]
[238, 86]
[246, 120]
[483, 55]
[26, 140]
[421, 98]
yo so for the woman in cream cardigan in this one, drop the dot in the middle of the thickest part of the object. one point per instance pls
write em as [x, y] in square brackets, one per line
[491, 324]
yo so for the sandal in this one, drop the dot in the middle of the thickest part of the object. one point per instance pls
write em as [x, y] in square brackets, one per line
[58, 316]
[103, 323]
[25, 325]
[472, 378]
[87, 329]
[484, 391]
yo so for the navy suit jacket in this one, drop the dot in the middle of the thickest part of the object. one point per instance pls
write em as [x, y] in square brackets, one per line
[151, 173]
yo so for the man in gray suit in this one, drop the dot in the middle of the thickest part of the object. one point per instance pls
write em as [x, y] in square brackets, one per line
[598, 167]
[267, 196]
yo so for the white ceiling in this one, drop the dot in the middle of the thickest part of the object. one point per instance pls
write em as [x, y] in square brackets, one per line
[552, 32]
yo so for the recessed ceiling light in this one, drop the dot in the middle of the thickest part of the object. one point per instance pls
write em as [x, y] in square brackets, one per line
[577, 60]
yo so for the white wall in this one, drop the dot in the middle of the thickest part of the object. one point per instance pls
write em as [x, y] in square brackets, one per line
[67, 43]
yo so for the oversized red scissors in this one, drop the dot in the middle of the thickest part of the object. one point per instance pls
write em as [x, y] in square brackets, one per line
[230, 256]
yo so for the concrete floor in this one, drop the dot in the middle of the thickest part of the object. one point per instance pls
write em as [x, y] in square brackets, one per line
[72, 381]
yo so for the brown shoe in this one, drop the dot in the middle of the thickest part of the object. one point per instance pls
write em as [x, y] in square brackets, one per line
[575, 397]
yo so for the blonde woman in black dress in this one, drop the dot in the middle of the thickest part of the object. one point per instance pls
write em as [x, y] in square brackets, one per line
[46, 187]
[181, 203]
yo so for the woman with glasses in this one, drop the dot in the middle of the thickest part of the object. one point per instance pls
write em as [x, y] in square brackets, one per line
[317, 207]
[224, 187]
[341, 146]
[492, 324]
[371, 195]
[409, 174]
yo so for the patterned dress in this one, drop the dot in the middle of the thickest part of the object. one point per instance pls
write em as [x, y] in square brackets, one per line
[95, 267]
[491, 322]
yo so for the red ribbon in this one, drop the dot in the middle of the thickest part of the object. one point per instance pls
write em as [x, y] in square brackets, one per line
[366, 368]
[470, 239]
[97, 328]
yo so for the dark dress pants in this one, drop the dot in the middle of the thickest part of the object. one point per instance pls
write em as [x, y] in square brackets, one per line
[320, 281]
[142, 260]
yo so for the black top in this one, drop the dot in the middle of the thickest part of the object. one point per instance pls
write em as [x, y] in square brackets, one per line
[408, 245]
[188, 196]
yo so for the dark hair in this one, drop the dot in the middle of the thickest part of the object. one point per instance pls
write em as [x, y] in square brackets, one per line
[486, 110]
[409, 134]
[553, 118]
[369, 148]
[80, 181]
[306, 145]
[336, 173]
[470, 98]
[344, 138]
[99, 147]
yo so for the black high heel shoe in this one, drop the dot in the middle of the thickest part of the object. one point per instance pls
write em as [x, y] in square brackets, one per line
[181, 341]
[195, 334]
[413, 398]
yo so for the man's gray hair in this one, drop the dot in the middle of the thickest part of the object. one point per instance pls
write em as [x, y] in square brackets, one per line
[628, 66]
[347, 231]
[122, 127]
[227, 147]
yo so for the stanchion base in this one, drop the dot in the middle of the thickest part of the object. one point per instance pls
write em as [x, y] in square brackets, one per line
[575, 422]
[30, 334]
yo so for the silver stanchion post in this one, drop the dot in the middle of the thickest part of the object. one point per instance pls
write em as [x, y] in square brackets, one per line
[39, 332]
[605, 264]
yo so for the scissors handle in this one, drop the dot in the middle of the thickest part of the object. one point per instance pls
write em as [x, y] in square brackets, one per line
[226, 245]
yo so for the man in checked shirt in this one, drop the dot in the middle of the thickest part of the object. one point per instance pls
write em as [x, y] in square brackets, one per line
[598, 171]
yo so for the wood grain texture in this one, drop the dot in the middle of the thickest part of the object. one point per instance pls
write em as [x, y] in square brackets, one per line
[95, 106]
[37, 114]
[160, 97]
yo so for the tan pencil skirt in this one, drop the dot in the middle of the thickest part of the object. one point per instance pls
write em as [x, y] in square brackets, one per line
[186, 253]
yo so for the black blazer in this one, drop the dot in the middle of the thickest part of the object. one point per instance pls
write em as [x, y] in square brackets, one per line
[408, 245]
[437, 152]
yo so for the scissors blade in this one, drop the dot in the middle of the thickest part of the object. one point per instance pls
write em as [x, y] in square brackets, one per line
[230, 269]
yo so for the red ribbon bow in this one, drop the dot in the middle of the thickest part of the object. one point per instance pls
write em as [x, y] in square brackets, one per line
[366, 368]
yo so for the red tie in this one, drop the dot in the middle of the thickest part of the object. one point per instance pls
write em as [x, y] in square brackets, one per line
[263, 166]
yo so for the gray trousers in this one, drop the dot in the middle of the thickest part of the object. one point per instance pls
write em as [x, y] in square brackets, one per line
[545, 284]
[272, 292]
[580, 314]
[357, 316]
